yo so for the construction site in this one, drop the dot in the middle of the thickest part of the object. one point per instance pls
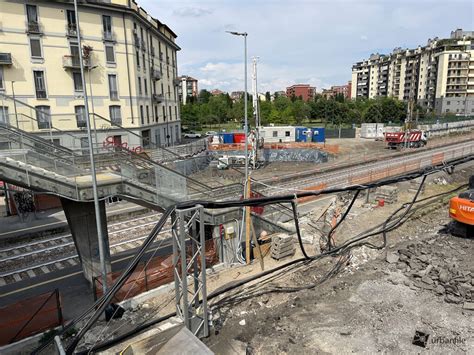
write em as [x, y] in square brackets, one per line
[344, 245]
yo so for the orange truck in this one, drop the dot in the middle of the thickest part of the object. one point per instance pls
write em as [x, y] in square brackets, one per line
[461, 208]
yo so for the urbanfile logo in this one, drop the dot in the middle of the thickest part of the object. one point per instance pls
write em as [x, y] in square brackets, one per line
[440, 340]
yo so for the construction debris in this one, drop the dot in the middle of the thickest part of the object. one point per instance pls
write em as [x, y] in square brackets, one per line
[282, 246]
[389, 194]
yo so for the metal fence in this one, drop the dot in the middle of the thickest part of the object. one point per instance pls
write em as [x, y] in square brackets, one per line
[30, 316]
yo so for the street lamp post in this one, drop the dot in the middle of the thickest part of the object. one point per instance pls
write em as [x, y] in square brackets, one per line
[246, 215]
[166, 119]
[92, 162]
[89, 69]
[244, 34]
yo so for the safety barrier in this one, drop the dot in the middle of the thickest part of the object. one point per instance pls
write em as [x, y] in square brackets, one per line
[30, 316]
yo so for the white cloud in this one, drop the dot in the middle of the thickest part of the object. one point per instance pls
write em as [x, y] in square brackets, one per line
[191, 12]
[312, 41]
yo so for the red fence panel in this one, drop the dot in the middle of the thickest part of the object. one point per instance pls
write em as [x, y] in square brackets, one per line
[30, 316]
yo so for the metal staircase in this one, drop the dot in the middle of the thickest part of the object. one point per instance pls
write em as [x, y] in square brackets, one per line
[40, 164]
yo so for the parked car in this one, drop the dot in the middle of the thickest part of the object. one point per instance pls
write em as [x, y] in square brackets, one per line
[192, 135]
[211, 133]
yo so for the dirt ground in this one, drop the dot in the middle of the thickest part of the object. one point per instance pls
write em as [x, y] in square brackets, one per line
[350, 151]
[423, 281]
[370, 301]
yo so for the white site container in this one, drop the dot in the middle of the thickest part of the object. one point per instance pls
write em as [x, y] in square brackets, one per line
[371, 130]
[277, 134]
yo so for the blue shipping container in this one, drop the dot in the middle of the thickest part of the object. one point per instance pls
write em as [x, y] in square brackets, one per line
[227, 138]
[319, 135]
[299, 134]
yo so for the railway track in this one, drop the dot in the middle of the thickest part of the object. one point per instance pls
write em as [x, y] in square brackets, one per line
[348, 175]
[31, 259]
[46, 255]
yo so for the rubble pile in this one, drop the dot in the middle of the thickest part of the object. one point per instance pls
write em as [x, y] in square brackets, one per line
[440, 265]
[387, 193]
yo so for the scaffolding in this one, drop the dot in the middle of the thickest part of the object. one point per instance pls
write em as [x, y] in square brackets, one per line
[189, 266]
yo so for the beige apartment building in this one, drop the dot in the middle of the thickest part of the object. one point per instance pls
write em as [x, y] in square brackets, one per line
[130, 69]
[439, 76]
[188, 87]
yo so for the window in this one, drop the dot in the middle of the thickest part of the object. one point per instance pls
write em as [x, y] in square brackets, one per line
[142, 118]
[32, 13]
[156, 113]
[35, 47]
[40, 85]
[171, 115]
[115, 114]
[107, 26]
[157, 137]
[71, 22]
[143, 61]
[76, 77]
[43, 116]
[138, 59]
[448, 102]
[164, 113]
[139, 86]
[145, 86]
[2, 79]
[74, 47]
[109, 54]
[113, 87]
[147, 114]
[80, 112]
[275, 133]
[4, 114]
[71, 18]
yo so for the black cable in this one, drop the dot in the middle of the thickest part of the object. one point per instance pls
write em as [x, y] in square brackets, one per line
[229, 287]
[103, 302]
[342, 219]
[106, 298]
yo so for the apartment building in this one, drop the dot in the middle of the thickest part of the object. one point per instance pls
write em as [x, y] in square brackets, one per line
[438, 76]
[130, 68]
[305, 91]
[335, 90]
[188, 87]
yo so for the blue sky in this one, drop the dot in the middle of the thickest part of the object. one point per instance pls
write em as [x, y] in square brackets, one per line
[299, 41]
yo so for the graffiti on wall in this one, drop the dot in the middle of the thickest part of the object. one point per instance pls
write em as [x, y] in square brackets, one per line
[24, 202]
[110, 141]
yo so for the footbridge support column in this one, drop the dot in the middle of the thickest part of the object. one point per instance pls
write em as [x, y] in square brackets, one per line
[81, 219]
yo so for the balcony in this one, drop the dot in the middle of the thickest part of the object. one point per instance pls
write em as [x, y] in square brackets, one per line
[108, 36]
[136, 41]
[114, 95]
[158, 98]
[5, 59]
[71, 30]
[73, 62]
[33, 27]
[41, 94]
[156, 74]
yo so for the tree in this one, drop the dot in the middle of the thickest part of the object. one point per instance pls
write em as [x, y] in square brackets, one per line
[204, 96]
[373, 113]
[268, 96]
